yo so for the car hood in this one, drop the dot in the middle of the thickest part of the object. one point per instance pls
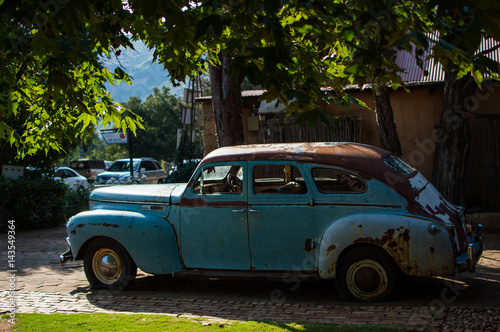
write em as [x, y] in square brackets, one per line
[154, 193]
[114, 174]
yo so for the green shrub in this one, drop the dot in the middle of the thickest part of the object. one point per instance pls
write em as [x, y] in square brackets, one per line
[38, 202]
[76, 201]
[182, 174]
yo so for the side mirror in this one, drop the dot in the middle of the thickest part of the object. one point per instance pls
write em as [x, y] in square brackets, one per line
[143, 170]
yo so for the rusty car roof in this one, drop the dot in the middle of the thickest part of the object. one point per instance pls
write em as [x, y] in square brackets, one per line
[345, 154]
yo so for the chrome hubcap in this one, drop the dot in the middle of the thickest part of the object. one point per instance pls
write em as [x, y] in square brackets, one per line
[366, 279]
[107, 266]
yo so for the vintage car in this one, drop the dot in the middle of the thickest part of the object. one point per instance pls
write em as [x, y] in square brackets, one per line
[349, 212]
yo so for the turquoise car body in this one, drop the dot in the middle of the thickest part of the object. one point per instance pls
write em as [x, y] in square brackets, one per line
[256, 230]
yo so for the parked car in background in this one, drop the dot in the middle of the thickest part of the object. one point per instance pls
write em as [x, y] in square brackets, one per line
[146, 170]
[70, 177]
[88, 168]
[351, 213]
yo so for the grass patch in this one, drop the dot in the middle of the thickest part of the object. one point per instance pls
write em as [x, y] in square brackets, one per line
[151, 323]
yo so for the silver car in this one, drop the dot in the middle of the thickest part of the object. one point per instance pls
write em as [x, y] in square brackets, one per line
[146, 170]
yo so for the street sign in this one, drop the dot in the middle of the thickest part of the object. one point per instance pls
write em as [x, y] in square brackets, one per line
[114, 137]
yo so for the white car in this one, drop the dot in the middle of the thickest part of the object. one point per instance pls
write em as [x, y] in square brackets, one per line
[70, 177]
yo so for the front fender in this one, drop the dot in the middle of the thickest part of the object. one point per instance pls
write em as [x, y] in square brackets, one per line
[150, 240]
[416, 250]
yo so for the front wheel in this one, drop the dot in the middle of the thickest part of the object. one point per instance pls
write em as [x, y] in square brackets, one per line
[108, 265]
[367, 274]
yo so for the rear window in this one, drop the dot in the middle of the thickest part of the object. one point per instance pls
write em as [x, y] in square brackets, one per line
[332, 181]
[399, 165]
[79, 164]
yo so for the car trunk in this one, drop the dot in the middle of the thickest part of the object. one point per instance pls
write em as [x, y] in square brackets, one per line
[428, 202]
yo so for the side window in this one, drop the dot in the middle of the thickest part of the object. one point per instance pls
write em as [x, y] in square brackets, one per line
[217, 180]
[331, 181]
[69, 174]
[148, 165]
[278, 179]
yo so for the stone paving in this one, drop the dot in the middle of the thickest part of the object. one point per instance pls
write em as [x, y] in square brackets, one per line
[470, 301]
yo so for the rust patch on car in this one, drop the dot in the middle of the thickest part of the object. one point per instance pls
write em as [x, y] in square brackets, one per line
[308, 245]
[198, 202]
[331, 247]
[330, 261]
[73, 232]
[396, 242]
[110, 225]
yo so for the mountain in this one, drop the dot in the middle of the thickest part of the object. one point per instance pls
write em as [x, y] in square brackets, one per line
[144, 73]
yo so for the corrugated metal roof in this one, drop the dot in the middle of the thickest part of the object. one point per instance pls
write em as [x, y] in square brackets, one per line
[413, 75]
[244, 94]
[432, 72]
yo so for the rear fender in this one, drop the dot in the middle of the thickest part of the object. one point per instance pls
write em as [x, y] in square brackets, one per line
[416, 250]
[150, 240]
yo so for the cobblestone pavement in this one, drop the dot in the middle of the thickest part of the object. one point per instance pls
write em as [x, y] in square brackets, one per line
[470, 301]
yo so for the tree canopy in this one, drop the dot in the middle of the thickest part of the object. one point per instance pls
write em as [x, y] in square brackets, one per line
[300, 51]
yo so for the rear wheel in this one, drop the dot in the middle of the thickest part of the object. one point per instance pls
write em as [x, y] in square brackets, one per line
[367, 274]
[108, 265]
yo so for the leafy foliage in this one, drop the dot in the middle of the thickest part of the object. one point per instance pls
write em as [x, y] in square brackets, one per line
[39, 202]
[52, 81]
[51, 70]
[182, 172]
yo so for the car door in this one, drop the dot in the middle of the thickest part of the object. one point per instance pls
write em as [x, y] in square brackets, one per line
[213, 219]
[280, 217]
[147, 169]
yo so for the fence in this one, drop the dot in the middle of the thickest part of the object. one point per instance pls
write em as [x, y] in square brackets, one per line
[286, 130]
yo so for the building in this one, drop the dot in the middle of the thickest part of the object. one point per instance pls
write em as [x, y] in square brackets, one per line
[417, 114]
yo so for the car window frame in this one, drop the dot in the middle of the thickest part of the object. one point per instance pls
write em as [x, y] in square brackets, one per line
[338, 170]
[222, 195]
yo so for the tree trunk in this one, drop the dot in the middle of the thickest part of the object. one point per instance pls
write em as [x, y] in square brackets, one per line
[226, 104]
[452, 146]
[386, 126]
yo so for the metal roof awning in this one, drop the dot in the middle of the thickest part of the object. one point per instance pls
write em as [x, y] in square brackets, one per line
[271, 107]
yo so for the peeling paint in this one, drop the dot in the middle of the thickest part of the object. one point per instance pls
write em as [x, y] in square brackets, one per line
[395, 241]
[308, 245]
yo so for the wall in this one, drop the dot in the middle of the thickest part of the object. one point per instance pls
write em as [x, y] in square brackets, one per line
[415, 114]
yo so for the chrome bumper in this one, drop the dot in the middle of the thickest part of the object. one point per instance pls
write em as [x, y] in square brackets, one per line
[67, 255]
[468, 260]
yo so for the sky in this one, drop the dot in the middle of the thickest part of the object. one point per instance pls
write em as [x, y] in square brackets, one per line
[144, 73]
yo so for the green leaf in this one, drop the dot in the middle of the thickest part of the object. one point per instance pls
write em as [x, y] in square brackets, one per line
[212, 25]
[120, 75]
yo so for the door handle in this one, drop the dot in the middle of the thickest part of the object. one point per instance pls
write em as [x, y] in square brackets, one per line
[239, 211]
[253, 211]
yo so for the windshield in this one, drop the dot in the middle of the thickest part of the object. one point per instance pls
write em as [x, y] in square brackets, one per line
[122, 166]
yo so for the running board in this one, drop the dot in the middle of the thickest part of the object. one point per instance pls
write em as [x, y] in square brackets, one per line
[247, 275]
